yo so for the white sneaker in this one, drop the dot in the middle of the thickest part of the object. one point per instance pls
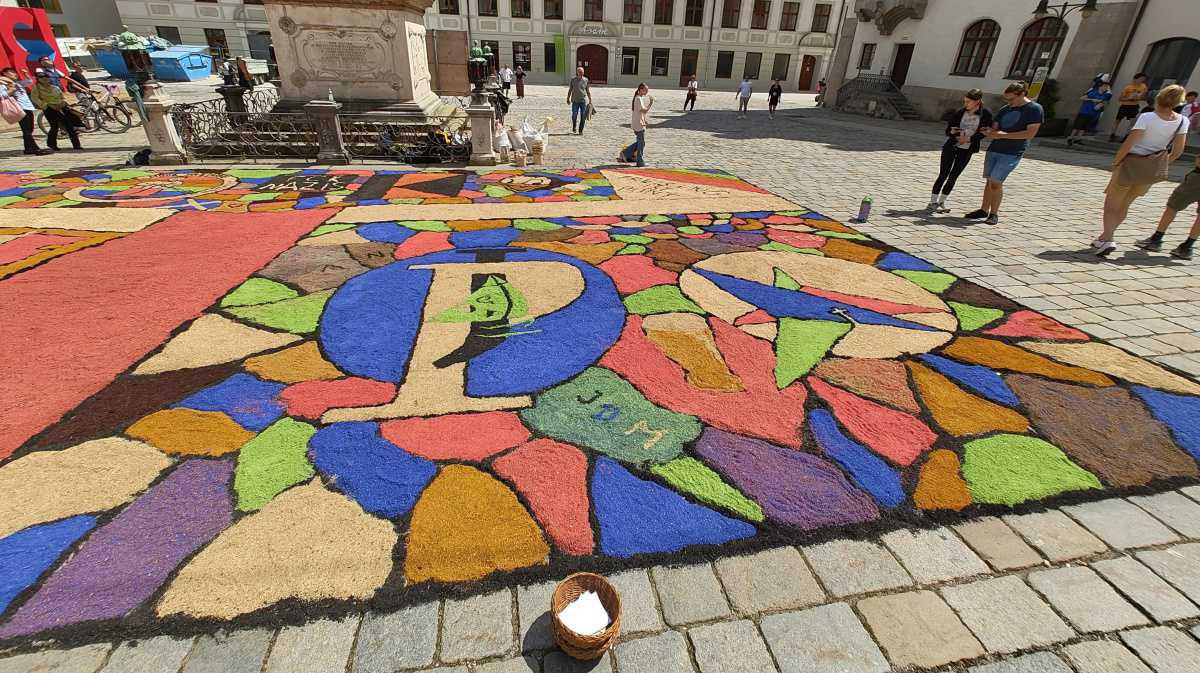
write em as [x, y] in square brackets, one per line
[1106, 248]
[1096, 244]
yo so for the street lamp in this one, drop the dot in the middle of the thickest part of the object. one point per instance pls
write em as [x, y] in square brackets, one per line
[1086, 9]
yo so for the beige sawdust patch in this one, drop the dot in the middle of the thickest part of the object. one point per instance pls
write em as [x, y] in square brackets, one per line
[98, 219]
[344, 237]
[466, 211]
[95, 476]
[307, 543]
[211, 340]
[887, 341]
[1113, 360]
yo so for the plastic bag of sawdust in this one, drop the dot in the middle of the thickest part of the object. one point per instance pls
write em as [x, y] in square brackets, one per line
[517, 139]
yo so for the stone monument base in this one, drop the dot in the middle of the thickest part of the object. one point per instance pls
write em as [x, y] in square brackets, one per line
[370, 54]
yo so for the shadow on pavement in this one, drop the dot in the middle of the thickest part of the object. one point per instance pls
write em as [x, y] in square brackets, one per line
[1129, 258]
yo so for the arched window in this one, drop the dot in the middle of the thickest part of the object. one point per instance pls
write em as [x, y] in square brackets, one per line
[978, 45]
[1172, 59]
[1039, 46]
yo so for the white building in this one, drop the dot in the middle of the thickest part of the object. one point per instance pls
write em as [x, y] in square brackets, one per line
[229, 27]
[77, 18]
[934, 50]
[660, 42]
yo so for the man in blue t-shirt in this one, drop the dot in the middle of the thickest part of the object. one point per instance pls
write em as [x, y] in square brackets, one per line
[1094, 102]
[1014, 125]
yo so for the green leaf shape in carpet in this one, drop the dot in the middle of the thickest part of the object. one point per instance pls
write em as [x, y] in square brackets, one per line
[782, 280]
[1011, 469]
[971, 318]
[272, 462]
[330, 228]
[842, 234]
[933, 281]
[496, 191]
[697, 480]
[690, 230]
[258, 291]
[776, 246]
[633, 249]
[425, 225]
[604, 412]
[632, 238]
[535, 225]
[656, 219]
[661, 299]
[801, 345]
[298, 316]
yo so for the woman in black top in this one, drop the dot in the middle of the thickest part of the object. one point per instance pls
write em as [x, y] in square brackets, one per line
[773, 96]
[964, 129]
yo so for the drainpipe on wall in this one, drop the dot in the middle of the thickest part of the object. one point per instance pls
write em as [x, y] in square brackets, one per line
[1137, 21]
[708, 49]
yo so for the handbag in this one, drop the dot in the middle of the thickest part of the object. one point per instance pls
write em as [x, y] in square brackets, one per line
[1147, 169]
[11, 110]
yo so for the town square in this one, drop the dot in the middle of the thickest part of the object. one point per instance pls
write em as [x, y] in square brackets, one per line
[372, 362]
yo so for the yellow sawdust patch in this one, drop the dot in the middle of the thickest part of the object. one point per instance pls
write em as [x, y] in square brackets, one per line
[997, 354]
[959, 412]
[189, 432]
[940, 485]
[292, 365]
[468, 525]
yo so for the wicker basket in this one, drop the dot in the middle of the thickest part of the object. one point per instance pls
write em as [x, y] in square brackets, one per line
[575, 645]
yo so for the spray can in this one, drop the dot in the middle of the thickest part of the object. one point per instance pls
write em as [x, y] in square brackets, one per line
[864, 209]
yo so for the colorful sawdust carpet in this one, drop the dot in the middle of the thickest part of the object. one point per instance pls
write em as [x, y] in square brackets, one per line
[432, 393]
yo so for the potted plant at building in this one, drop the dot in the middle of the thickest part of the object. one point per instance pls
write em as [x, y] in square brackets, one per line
[1054, 126]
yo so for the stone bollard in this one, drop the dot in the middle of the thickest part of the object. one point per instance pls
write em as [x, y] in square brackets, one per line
[166, 147]
[483, 125]
[331, 146]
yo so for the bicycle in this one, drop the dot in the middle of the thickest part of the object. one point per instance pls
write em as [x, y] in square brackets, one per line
[97, 116]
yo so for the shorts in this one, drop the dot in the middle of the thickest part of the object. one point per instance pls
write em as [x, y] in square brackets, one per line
[1187, 193]
[1130, 192]
[1128, 112]
[1084, 122]
[997, 166]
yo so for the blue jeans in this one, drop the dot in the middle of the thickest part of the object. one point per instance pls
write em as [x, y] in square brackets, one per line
[640, 146]
[579, 115]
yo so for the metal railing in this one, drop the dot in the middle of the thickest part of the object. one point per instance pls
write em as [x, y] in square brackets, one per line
[244, 135]
[413, 139]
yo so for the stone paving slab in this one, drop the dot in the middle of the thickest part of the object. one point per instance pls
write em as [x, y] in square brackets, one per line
[1006, 615]
[997, 544]
[230, 652]
[1179, 565]
[1174, 509]
[399, 640]
[1055, 535]
[918, 628]
[1165, 649]
[1159, 599]
[1104, 656]
[524, 664]
[162, 654]
[689, 594]
[639, 602]
[826, 638]
[316, 647]
[85, 659]
[1121, 524]
[477, 627]
[730, 647]
[557, 662]
[935, 555]
[1038, 662]
[850, 567]
[777, 579]
[533, 610]
[664, 653]
[1087, 601]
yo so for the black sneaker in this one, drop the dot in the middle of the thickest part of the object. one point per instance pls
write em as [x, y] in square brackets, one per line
[1182, 252]
[993, 219]
[976, 214]
[1152, 244]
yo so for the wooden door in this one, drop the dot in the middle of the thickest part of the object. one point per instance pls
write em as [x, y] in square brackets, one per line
[904, 54]
[594, 60]
[688, 68]
[807, 67]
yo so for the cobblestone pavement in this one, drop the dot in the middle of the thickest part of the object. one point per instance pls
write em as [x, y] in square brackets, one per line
[1108, 587]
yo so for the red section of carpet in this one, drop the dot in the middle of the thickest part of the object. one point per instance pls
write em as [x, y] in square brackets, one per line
[68, 327]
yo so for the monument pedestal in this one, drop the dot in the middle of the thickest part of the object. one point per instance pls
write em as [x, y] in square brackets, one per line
[369, 53]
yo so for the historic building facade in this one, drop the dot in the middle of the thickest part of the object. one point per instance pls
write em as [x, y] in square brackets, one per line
[229, 27]
[660, 42]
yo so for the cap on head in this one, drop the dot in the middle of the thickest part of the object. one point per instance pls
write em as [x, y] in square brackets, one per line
[1018, 87]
